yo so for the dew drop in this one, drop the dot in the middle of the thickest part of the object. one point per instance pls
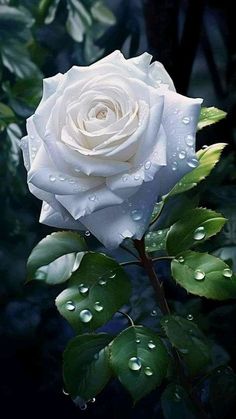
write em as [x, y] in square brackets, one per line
[199, 275]
[186, 120]
[93, 400]
[87, 233]
[34, 148]
[83, 406]
[199, 233]
[65, 392]
[71, 181]
[147, 165]
[137, 177]
[70, 306]
[227, 273]
[85, 316]
[134, 363]
[153, 313]
[97, 306]
[151, 345]
[124, 178]
[102, 282]
[52, 178]
[92, 197]
[112, 276]
[190, 317]
[77, 170]
[204, 147]
[182, 155]
[189, 140]
[148, 371]
[62, 178]
[174, 166]
[181, 259]
[177, 397]
[137, 340]
[192, 162]
[136, 215]
[46, 206]
[83, 289]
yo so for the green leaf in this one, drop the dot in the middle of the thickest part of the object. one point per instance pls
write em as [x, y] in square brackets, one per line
[16, 58]
[6, 115]
[101, 13]
[176, 404]
[14, 135]
[204, 275]
[86, 368]
[95, 292]
[55, 257]
[207, 159]
[209, 116]
[196, 226]
[78, 20]
[139, 359]
[187, 338]
[156, 240]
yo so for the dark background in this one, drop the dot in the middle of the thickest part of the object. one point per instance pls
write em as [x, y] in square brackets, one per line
[195, 40]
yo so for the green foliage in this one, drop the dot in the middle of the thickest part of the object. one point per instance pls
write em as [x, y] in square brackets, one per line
[156, 240]
[86, 367]
[204, 275]
[56, 257]
[139, 359]
[176, 404]
[187, 338]
[196, 226]
[95, 292]
[209, 116]
[207, 159]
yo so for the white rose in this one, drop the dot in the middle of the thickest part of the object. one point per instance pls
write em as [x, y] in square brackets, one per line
[105, 142]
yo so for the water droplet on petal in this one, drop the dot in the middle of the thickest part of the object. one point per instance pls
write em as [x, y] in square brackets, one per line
[199, 275]
[199, 233]
[85, 316]
[153, 313]
[34, 148]
[97, 306]
[87, 233]
[92, 197]
[125, 178]
[227, 273]
[52, 178]
[186, 120]
[135, 363]
[137, 177]
[83, 289]
[136, 215]
[148, 371]
[71, 181]
[46, 206]
[192, 162]
[70, 306]
[190, 317]
[189, 140]
[181, 259]
[62, 178]
[151, 345]
[102, 282]
[182, 155]
[147, 165]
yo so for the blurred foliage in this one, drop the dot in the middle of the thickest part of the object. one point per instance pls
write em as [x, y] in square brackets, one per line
[39, 39]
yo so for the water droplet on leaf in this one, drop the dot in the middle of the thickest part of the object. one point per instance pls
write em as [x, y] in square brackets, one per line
[190, 317]
[135, 363]
[97, 306]
[83, 289]
[102, 282]
[199, 233]
[148, 371]
[227, 273]
[70, 306]
[199, 275]
[151, 345]
[85, 316]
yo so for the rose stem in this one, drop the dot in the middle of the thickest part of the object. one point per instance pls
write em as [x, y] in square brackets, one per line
[147, 264]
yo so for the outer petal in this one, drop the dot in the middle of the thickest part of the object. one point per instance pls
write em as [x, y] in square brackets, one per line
[112, 225]
[179, 121]
[53, 218]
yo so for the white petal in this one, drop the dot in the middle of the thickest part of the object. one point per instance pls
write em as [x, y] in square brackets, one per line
[112, 225]
[50, 85]
[158, 76]
[87, 202]
[53, 218]
[179, 121]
